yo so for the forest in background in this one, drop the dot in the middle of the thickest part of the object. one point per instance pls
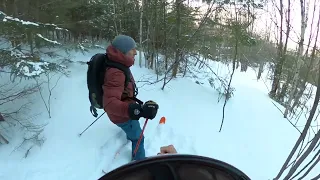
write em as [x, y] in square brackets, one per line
[170, 33]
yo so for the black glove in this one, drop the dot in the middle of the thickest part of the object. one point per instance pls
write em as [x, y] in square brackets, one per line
[135, 111]
[148, 110]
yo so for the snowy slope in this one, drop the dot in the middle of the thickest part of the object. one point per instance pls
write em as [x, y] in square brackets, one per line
[255, 137]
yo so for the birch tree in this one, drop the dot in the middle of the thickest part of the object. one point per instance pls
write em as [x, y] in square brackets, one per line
[302, 156]
[302, 85]
[300, 57]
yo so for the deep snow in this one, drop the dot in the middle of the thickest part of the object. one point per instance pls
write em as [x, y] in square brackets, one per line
[255, 137]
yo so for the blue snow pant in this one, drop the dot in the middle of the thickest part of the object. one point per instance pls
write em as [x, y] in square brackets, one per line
[132, 129]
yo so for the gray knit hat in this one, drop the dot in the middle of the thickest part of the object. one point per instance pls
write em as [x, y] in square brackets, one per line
[123, 43]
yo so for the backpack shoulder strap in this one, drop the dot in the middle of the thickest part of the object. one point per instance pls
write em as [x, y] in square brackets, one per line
[126, 71]
[123, 68]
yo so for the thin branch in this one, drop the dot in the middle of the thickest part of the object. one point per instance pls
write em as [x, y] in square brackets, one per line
[314, 157]
[303, 157]
[316, 178]
[17, 95]
[229, 84]
[42, 98]
[286, 118]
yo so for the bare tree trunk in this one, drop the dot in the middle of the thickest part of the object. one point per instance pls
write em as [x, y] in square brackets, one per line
[115, 19]
[156, 66]
[15, 8]
[186, 64]
[140, 40]
[282, 91]
[300, 60]
[178, 27]
[165, 34]
[37, 17]
[154, 37]
[261, 65]
[280, 58]
[30, 41]
[282, 51]
[148, 45]
[4, 5]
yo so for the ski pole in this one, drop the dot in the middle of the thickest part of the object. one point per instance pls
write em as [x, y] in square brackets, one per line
[91, 124]
[140, 138]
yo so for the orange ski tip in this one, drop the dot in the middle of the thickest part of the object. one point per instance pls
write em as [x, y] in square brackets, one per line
[162, 120]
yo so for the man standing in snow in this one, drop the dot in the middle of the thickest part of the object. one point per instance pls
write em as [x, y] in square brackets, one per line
[119, 102]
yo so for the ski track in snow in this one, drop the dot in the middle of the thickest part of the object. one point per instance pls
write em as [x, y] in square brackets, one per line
[162, 135]
[107, 152]
[165, 135]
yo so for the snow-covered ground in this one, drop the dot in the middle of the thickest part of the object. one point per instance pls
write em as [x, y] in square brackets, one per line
[255, 137]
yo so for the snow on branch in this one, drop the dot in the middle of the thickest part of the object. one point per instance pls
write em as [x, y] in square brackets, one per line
[18, 54]
[48, 40]
[2, 13]
[56, 27]
[9, 18]
[33, 69]
[6, 19]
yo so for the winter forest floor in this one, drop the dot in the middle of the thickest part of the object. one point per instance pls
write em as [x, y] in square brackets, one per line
[255, 137]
